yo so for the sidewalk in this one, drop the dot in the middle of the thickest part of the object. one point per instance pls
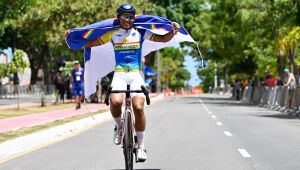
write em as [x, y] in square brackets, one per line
[11, 124]
[15, 123]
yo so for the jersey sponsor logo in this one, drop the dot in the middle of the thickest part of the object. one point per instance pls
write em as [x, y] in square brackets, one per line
[127, 46]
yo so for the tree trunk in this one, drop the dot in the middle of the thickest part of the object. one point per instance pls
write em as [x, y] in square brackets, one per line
[280, 64]
[33, 66]
[292, 60]
[44, 64]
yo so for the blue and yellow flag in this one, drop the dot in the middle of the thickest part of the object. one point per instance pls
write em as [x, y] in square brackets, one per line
[100, 60]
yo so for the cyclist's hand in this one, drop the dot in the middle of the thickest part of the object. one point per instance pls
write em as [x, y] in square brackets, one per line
[176, 27]
[67, 32]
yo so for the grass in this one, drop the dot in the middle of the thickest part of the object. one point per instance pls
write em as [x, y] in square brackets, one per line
[5, 136]
[7, 113]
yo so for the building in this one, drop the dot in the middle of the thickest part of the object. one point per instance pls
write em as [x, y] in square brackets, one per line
[3, 58]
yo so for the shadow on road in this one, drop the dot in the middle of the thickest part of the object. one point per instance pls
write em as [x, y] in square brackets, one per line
[279, 116]
[137, 169]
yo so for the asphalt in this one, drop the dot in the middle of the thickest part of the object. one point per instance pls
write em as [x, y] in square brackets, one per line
[183, 133]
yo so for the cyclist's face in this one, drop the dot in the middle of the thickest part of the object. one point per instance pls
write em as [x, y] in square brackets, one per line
[126, 20]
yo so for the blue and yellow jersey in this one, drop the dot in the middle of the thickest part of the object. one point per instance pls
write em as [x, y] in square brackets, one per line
[127, 47]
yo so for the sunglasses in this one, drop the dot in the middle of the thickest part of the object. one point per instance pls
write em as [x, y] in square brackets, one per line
[128, 17]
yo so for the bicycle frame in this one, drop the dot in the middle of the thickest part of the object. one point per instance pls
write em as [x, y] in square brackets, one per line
[128, 122]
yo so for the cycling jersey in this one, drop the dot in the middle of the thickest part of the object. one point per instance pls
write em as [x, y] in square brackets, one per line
[127, 47]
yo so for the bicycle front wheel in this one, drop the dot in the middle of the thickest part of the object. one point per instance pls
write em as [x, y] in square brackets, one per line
[128, 141]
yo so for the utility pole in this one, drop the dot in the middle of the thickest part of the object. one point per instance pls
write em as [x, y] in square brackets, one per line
[158, 80]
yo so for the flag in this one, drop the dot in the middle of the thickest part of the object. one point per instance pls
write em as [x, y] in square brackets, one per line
[100, 60]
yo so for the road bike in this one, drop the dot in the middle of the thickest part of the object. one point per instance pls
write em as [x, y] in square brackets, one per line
[129, 138]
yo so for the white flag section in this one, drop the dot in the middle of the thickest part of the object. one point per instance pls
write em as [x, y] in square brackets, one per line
[102, 59]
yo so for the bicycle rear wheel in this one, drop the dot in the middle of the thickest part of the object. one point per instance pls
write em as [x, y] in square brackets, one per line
[128, 141]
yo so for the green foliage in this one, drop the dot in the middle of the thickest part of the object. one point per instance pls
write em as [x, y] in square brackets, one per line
[38, 27]
[18, 64]
[239, 35]
[3, 70]
[289, 41]
[66, 70]
[174, 74]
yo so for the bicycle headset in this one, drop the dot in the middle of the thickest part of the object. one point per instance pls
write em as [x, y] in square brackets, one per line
[125, 8]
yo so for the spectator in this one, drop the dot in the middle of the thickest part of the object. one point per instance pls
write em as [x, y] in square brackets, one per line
[104, 86]
[237, 89]
[68, 90]
[290, 82]
[244, 84]
[289, 79]
[279, 82]
[95, 97]
[60, 86]
[76, 83]
[271, 81]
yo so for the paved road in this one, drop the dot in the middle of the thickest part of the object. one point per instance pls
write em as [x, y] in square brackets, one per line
[184, 133]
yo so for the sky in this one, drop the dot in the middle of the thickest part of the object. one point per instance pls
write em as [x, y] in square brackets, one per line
[191, 65]
[8, 51]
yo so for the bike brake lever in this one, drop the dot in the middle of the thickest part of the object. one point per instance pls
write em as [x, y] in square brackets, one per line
[146, 92]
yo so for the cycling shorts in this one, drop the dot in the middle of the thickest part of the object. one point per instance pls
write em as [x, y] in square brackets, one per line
[134, 79]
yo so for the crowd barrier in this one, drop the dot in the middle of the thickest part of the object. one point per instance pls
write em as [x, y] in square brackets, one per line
[280, 98]
[15, 91]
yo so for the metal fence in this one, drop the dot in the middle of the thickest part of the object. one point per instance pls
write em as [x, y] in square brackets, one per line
[15, 91]
[281, 98]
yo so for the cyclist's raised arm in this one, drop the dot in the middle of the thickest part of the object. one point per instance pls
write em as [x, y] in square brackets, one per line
[90, 43]
[167, 37]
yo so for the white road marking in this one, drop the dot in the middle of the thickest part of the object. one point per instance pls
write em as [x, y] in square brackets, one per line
[244, 153]
[209, 112]
[227, 133]
[219, 123]
[213, 116]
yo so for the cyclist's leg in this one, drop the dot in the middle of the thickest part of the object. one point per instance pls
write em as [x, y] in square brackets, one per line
[140, 119]
[138, 101]
[116, 100]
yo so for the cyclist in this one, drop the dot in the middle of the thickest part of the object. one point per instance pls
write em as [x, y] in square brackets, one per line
[127, 42]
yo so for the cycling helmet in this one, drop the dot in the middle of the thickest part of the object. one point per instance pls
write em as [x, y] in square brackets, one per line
[286, 70]
[125, 8]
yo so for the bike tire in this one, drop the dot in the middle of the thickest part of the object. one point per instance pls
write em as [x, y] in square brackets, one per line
[128, 142]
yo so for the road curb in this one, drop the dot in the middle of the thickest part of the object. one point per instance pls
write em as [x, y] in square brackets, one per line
[23, 145]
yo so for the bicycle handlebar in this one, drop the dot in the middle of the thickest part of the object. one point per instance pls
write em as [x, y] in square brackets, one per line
[144, 90]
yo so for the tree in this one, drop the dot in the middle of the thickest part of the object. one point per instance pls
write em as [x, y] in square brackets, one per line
[17, 65]
[50, 18]
[3, 70]
[174, 75]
